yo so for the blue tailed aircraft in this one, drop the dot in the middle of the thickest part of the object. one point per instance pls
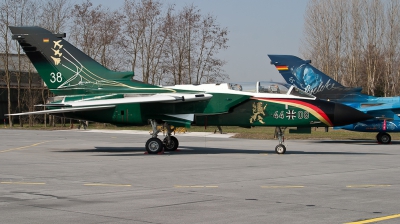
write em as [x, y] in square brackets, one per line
[303, 75]
[86, 90]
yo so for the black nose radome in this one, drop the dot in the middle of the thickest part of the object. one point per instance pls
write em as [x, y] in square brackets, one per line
[344, 115]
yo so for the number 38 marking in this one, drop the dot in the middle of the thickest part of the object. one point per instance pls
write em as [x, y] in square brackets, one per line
[56, 77]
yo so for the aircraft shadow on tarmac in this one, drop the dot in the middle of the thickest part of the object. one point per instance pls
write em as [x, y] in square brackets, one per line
[355, 142]
[140, 151]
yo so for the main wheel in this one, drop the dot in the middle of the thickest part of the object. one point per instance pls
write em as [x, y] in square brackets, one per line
[384, 138]
[378, 137]
[173, 144]
[154, 145]
[280, 149]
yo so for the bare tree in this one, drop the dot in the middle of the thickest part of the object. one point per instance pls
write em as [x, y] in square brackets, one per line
[193, 43]
[6, 20]
[318, 37]
[353, 37]
[152, 40]
[339, 24]
[55, 15]
[133, 29]
[211, 39]
[374, 18]
[94, 30]
[355, 42]
[175, 51]
[391, 41]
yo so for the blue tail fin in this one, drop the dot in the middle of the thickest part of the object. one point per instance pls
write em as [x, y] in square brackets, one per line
[301, 74]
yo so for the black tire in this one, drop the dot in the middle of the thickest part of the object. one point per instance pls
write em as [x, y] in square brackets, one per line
[280, 149]
[173, 144]
[154, 145]
[384, 138]
[378, 137]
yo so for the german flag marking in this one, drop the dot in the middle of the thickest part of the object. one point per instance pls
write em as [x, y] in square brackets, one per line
[282, 67]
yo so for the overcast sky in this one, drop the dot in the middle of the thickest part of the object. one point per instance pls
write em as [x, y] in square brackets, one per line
[256, 28]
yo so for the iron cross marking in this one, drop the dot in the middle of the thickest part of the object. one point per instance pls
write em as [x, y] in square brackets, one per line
[291, 114]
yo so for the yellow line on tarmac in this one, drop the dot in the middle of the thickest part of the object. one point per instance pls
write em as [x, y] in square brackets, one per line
[109, 185]
[194, 186]
[24, 147]
[375, 219]
[25, 183]
[368, 186]
[282, 186]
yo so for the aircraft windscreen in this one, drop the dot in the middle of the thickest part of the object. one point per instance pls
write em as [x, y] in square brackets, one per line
[269, 87]
[273, 87]
[243, 86]
[261, 87]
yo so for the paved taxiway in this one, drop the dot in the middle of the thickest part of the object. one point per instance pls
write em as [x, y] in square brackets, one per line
[95, 177]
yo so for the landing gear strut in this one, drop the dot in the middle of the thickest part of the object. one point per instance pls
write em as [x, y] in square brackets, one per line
[170, 142]
[155, 145]
[280, 148]
[383, 138]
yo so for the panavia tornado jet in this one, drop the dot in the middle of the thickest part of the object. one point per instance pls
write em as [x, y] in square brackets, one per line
[303, 75]
[86, 90]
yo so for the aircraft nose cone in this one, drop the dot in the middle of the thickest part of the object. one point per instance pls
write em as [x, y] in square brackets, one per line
[344, 115]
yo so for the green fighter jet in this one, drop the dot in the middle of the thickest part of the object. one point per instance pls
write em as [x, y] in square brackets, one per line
[86, 90]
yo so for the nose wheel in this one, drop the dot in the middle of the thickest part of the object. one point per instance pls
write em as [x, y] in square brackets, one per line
[280, 149]
[279, 132]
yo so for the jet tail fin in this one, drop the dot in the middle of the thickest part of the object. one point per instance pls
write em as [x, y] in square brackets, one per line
[304, 76]
[62, 66]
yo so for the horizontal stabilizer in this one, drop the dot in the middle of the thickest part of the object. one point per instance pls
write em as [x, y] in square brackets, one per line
[53, 105]
[161, 98]
[68, 110]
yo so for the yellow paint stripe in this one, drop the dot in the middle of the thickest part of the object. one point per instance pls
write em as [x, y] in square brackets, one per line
[24, 183]
[24, 147]
[282, 186]
[194, 186]
[108, 185]
[367, 186]
[375, 219]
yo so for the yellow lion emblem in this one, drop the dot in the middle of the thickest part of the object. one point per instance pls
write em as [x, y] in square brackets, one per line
[258, 112]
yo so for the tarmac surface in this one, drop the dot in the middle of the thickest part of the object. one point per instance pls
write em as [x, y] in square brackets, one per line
[103, 176]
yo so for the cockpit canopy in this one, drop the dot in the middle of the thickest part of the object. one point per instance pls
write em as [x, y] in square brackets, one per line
[269, 87]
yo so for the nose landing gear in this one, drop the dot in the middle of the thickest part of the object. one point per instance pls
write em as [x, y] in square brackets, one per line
[280, 148]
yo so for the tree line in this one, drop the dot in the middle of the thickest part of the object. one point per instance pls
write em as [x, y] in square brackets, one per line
[162, 44]
[355, 42]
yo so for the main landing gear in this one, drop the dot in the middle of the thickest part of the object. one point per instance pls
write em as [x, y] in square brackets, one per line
[383, 138]
[279, 132]
[155, 145]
